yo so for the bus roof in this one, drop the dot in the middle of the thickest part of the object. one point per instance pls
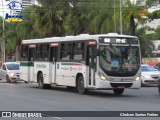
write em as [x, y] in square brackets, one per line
[73, 38]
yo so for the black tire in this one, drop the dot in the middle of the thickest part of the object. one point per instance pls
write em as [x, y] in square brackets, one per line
[7, 79]
[25, 82]
[41, 83]
[80, 86]
[142, 85]
[118, 91]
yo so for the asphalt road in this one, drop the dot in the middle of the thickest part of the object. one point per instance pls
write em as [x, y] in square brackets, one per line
[28, 97]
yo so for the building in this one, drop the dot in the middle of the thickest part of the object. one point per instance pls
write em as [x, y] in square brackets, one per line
[143, 2]
[154, 23]
[27, 3]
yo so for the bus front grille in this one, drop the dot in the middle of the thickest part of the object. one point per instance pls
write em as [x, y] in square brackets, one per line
[126, 85]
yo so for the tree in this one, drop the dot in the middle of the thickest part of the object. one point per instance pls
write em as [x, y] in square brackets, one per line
[48, 23]
[11, 36]
[1, 39]
[15, 32]
[145, 43]
[153, 15]
[131, 12]
[151, 2]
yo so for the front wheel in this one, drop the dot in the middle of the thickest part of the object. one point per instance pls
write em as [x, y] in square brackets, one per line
[142, 85]
[80, 86]
[8, 79]
[118, 91]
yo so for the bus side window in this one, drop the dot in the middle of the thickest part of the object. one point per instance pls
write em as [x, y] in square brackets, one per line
[38, 49]
[31, 54]
[66, 49]
[45, 52]
[24, 52]
[78, 51]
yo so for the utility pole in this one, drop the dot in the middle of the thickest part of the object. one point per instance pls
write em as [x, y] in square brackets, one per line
[114, 17]
[121, 17]
[3, 41]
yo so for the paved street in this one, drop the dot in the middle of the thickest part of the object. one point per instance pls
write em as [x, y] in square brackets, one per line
[28, 97]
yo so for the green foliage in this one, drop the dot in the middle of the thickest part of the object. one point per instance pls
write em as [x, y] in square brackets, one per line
[158, 47]
[72, 17]
[145, 42]
[150, 2]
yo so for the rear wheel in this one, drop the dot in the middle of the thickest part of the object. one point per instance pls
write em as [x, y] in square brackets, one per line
[142, 85]
[25, 82]
[118, 91]
[41, 83]
[80, 86]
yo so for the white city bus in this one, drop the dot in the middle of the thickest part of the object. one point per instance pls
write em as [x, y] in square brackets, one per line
[86, 62]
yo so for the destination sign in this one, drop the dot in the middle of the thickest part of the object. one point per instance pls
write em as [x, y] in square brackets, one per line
[116, 40]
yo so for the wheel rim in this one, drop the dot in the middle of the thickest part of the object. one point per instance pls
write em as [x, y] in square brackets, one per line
[81, 84]
[7, 78]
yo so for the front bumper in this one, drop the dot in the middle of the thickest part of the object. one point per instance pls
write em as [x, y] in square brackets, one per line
[150, 81]
[136, 84]
[14, 78]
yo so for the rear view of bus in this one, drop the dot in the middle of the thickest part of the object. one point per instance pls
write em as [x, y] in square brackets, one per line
[119, 63]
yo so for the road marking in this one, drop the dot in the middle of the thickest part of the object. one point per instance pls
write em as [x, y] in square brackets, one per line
[57, 118]
[53, 117]
[3, 83]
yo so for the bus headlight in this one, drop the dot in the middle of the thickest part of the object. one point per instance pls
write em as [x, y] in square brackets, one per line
[102, 76]
[138, 76]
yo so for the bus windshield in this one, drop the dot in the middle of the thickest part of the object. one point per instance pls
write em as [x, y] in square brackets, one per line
[119, 60]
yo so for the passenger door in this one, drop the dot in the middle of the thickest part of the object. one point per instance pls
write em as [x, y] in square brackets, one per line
[31, 62]
[53, 59]
[91, 62]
